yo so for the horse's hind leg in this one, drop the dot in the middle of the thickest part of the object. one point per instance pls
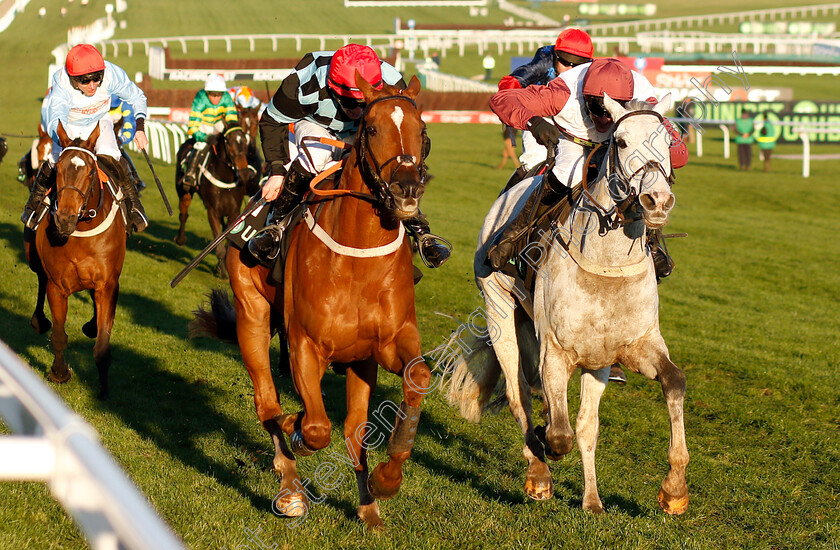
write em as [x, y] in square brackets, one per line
[592, 385]
[650, 357]
[89, 329]
[216, 228]
[359, 435]
[105, 300]
[59, 372]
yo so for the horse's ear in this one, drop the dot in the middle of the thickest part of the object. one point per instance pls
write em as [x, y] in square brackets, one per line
[41, 132]
[613, 107]
[413, 88]
[664, 105]
[90, 142]
[63, 140]
[367, 90]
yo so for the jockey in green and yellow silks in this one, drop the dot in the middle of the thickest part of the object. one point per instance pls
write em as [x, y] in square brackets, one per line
[212, 110]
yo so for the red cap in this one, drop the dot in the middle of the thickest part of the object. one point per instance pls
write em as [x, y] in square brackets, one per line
[611, 76]
[84, 59]
[575, 42]
[346, 61]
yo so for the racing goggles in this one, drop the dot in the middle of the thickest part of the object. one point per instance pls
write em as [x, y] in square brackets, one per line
[90, 77]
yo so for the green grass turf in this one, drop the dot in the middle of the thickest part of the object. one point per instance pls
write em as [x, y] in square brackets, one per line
[749, 314]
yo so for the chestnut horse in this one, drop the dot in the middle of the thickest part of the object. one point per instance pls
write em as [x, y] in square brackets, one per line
[81, 246]
[30, 162]
[221, 185]
[348, 304]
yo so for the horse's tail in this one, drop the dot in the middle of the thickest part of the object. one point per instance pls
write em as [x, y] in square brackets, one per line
[219, 322]
[475, 377]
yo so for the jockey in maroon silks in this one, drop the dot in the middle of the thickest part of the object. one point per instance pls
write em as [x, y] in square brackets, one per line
[572, 48]
[574, 102]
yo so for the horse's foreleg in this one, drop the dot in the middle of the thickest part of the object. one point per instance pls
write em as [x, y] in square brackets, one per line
[314, 431]
[59, 372]
[183, 207]
[39, 321]
[592, 385]
[405, 359]
[651, 359]
[216, 228]
[89, 329]
[105, 309]
[359, 435]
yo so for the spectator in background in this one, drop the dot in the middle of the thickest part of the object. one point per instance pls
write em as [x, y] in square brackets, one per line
[509, 152]
[488, 63]
[744, 139]
[765, 135]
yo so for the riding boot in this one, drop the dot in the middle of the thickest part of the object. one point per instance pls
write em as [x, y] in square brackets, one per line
[35, 206]
[120, 173]
[265, 245]
[195, 160]
[511, 238]
[433, 252]
[133, 170]
[662, 262]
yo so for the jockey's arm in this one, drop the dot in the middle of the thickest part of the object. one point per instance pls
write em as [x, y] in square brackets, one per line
[532, 72]
[515, 107]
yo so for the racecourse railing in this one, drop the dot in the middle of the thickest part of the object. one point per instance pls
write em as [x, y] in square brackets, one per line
[52, 444]
[707, 42]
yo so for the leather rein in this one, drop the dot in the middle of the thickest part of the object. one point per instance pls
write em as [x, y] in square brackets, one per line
[625, 198]
[370, 168]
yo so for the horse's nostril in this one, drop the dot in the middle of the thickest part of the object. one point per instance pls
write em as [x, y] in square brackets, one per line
[669, 204]
[647, 201]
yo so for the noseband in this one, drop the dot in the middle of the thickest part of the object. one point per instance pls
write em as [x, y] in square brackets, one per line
[373, 169]
[91, 213]
[621, 191]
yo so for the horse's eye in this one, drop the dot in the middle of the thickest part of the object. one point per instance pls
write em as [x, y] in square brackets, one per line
[621, 143]
[371, 131]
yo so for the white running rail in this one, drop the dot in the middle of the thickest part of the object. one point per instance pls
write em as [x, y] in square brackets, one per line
[54, 445]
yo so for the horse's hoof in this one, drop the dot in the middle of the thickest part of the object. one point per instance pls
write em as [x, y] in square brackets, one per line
[291, 506]
[89, 329]
[40, 325]
[377, 488]
[673, 506]
[369, 514]
[539, 489]
[60, 378]
[180, 241]
[595, 506]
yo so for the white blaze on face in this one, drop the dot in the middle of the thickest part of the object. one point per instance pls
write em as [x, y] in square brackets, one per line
[77, 162]
[397, 116]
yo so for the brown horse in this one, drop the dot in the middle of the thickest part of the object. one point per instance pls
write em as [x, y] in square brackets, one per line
[350, 305]
[249, 119]
[221, 185]
[27, 166]
[81, 246]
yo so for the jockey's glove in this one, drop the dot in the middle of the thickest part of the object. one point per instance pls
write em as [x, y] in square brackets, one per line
[544, 132]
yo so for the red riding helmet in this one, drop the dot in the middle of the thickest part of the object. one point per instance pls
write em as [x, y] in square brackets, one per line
[611, 76]
[575, 42]
[346, 61]
[84, 59]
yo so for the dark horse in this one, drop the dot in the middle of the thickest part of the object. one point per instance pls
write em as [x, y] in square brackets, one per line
[81, 246]
[221, 185]
[249, 119]
[350, 305]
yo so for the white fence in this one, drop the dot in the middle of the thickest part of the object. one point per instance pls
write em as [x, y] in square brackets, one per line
[165, 138]
[707, 42]
[14, 8]
[54, 445]
[436, 81]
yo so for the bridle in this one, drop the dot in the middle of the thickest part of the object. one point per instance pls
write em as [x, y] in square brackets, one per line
[91, 213]
[621, 191]
[372, 168]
